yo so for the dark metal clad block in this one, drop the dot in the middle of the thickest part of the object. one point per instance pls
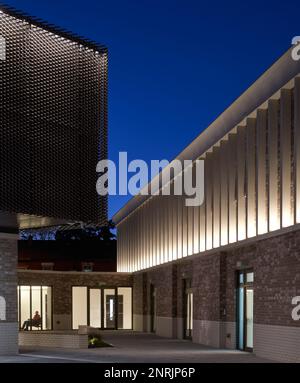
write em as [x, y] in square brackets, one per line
[53, 123]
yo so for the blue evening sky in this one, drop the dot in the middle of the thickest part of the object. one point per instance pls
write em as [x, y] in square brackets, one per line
[174, 65]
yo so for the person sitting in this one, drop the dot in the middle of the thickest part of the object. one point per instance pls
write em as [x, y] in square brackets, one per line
[35, 322]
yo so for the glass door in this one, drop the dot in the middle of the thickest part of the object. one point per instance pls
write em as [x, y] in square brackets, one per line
[188, 310]
[249, 318]
[110, 309]
[245, 310]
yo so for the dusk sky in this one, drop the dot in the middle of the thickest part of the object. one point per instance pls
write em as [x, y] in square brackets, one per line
[174, 66]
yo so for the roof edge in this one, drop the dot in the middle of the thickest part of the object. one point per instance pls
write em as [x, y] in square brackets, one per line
[274, 78]
[13, 12]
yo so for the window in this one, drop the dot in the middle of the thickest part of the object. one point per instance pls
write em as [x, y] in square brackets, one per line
[100, 307]
[47, 265]
[32, 301]
[95, 308]
[79, 307]
[124, 308]
[87, 267]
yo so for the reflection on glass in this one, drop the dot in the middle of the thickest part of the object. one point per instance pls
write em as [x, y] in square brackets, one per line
[189, 314]
[241, 318]
[250, 277]
[249, 318]
[241, 278]
[109, 308]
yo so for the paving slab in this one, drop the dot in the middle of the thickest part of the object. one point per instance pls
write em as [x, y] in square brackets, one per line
[135, 347]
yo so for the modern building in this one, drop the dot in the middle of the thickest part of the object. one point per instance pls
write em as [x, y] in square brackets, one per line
[224, 274]
[53, 132]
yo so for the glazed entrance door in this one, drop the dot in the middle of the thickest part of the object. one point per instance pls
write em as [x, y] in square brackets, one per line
[245, 310]
[187, 310]
[110, 309]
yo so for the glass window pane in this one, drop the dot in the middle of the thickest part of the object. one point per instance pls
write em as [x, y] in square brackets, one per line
[191, 311]
[241, 279]
[25, 314]
[109, 308]
[250, 277]
[241, 318]
[36, 307]
[125, 308]
[95, 308]
[79, 307]
[47, 308]
[18, 298]
[249, 318]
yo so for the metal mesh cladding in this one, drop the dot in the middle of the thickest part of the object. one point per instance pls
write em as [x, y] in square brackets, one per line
[53, 124]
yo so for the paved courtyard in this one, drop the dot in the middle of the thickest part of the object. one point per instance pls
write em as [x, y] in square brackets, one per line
[133, 347]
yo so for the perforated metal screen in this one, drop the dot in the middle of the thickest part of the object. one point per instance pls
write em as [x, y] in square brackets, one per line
[53, 123]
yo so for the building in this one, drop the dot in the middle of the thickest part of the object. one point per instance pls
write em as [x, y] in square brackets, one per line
[224, 274]
[53, 132]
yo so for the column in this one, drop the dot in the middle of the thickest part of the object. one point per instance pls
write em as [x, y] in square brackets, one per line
[8, 294]
[261, 169]
[285, 151]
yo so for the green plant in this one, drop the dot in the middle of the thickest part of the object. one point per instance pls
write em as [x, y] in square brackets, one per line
[95, 341]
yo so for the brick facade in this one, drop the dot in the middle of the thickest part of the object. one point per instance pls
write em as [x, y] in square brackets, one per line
[275, 261]
[8, 291]
[62, 283]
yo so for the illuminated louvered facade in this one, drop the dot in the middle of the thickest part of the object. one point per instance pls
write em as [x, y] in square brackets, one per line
[252, 181]
[227, 273]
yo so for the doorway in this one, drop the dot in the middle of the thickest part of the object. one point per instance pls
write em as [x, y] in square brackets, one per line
[101, 307]
[187, 310]
[245, 300]
[152, 308]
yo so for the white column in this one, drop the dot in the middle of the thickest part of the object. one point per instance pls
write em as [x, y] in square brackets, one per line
[208, 205]
[261, 169]
[285, 140]
[241, 189]
[251, 177]
[232, 197]
[223, 161]
[273, 161]
[216, 197]
[202, 218]
[297, 147]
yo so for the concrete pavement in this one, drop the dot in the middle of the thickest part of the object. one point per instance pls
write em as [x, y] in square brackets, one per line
[133, 347]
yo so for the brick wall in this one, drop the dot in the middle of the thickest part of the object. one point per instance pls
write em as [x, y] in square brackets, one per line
[62, 283]
[54, 340]
[276, 264]
[8, 290]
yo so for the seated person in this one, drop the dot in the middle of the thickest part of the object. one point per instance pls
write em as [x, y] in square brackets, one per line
[35, 321]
